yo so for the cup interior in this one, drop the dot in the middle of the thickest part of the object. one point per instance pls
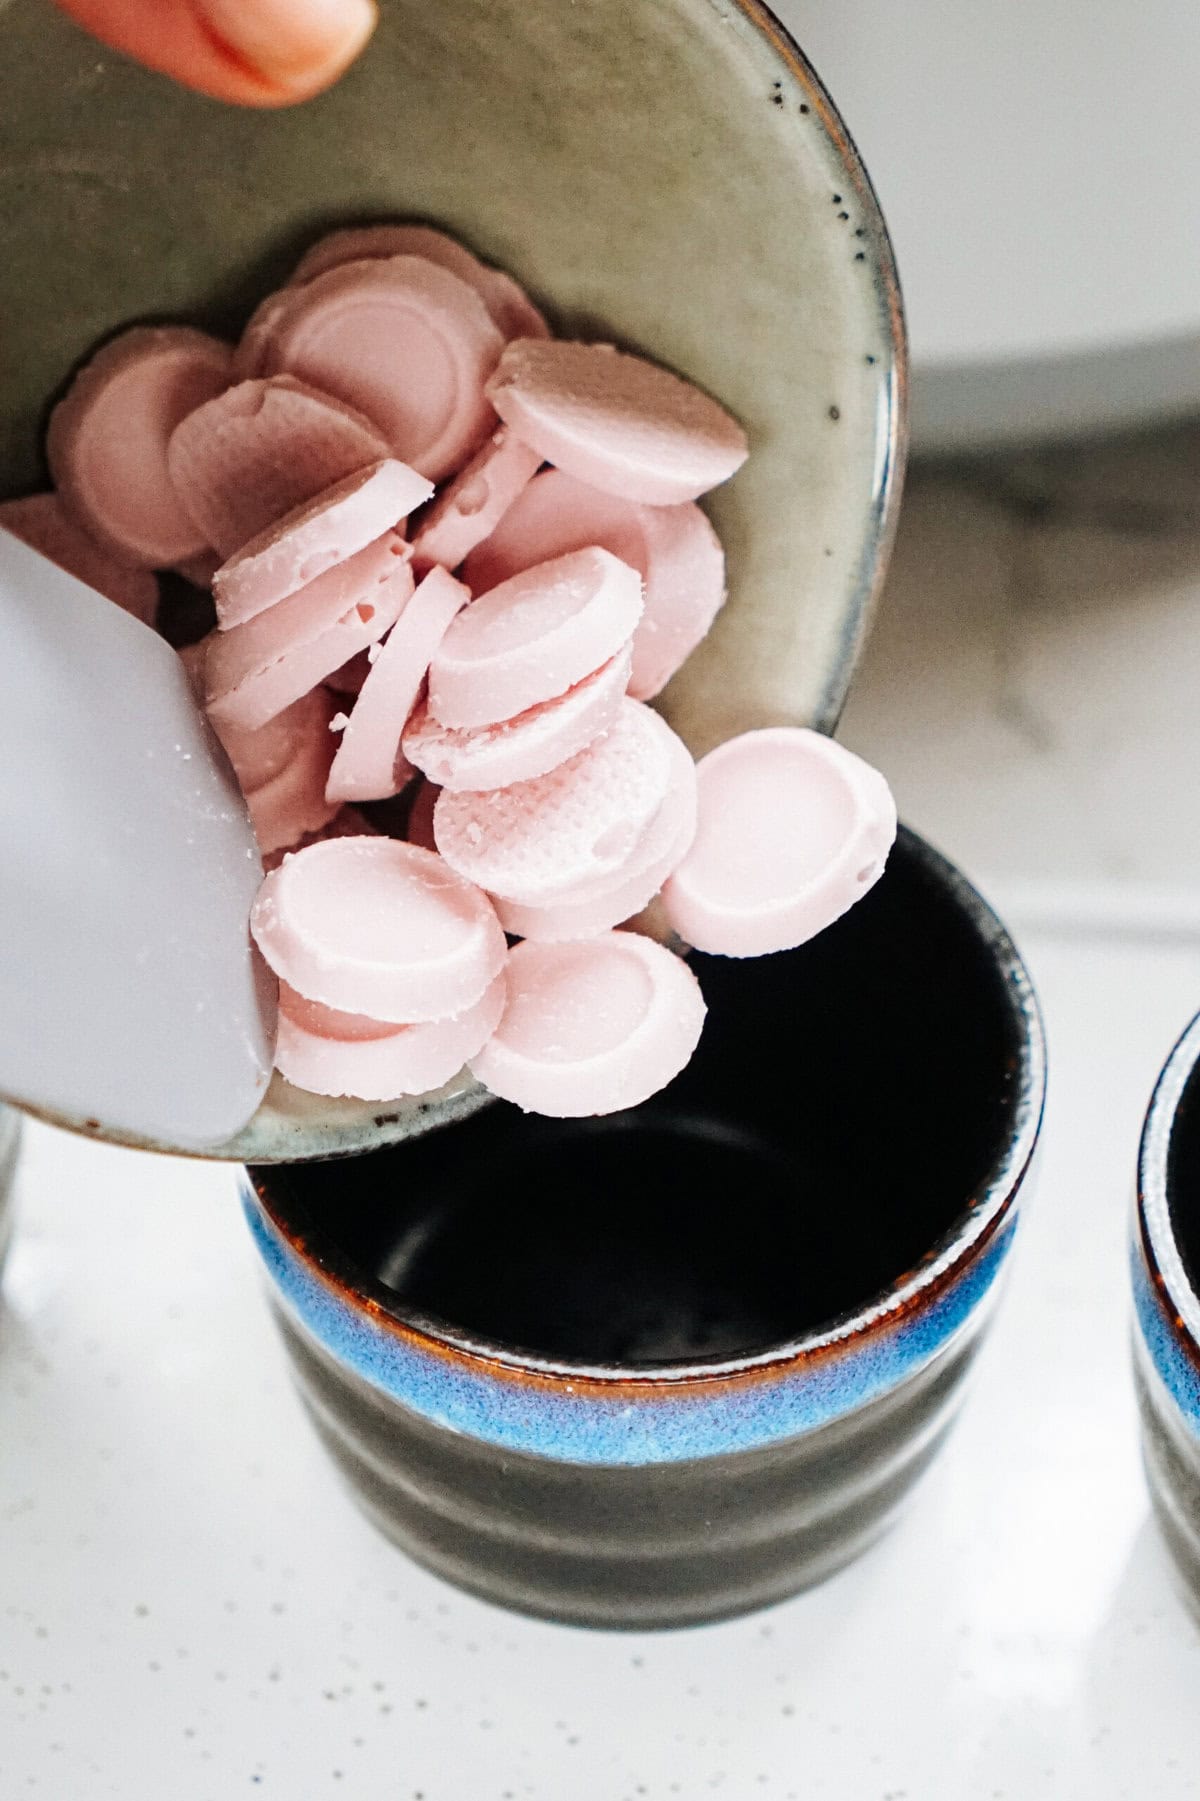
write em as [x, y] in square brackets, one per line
[857, 1108]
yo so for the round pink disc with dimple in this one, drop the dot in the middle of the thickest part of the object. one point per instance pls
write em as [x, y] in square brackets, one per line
[369, 925]
[292, 804]
[538, 841]
[43, 522]
[390, 1062]
[517, 750]
[512, 312]
[591, 1027]
[407, 343]
[323, 532]
[473, 504]
[534, 637]
[598, 906]
[616, 421]
[793, 829]
[366, 764]
[107, 440]
[256, 670]
[262, 449]
[258, 756]
[674, 549]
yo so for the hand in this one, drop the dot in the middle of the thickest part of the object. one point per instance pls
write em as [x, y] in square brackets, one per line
[255, 52]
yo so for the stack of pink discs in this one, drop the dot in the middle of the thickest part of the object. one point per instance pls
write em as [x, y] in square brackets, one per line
[452, 556]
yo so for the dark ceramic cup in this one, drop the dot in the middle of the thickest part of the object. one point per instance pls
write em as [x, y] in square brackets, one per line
[10, 1145]
[678, 1363]
[1166, 1293]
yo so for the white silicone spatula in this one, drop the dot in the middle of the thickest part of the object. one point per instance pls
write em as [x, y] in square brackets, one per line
[132, 1003]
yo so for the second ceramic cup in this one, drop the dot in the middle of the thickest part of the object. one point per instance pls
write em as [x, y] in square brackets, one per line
[680, 1362]
[1166, 1292]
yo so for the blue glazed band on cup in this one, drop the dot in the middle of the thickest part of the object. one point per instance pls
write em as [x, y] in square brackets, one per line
[678, 1363]
[1165, 1269]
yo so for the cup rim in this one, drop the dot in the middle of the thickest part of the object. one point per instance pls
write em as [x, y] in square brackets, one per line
[974, 1227]
[1156, 1239]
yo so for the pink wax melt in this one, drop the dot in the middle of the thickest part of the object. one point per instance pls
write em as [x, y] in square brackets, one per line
[793, 829]
[603, 902]
[315, 537]
[256, 670]
[512, 312]
[533, 638]
[470, 506]
[369, 764]
[538, 841]
[44, 523]
[531, 744]
[292, 803]
[591, 1027]
[616, 421]
[367, 925]
[107, 440]
[407, 343]
[674, 549]
[261, 754]
[261, 449]
[378, 1062]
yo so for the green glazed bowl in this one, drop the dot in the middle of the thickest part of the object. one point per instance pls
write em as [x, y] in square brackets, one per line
[666, 174]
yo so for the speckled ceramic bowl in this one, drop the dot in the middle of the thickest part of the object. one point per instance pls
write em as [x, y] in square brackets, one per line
[665, 173]
[10, 1144]
[1166, 1292]
[675, 1364]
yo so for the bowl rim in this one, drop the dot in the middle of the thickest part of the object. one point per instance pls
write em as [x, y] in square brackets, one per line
[892, 451]
[975, 1228]
[1171, 1289]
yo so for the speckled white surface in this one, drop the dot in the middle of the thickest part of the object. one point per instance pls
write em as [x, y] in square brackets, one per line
[190, 1608]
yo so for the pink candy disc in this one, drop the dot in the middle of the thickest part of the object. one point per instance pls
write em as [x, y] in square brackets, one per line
[473, 504]
[591, 1027]
[532, 744]
[365, 767]
[262, 449]
[538, 841]
[259, 756]
[674, 549]
[407, 343]
[292, 804]
[616, 421]
[597, 906]
[107, 440]
[389, 1062]
[512, 312]
[256, 670]
[367, 925]
[323, 532]
[42, 522]
[792, 831]
[534, 637]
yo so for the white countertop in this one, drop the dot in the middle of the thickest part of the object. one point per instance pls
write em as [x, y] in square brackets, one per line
[191, 1608]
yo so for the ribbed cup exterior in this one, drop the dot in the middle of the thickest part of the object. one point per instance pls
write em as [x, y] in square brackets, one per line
[1166, 1337]
[658, 1495]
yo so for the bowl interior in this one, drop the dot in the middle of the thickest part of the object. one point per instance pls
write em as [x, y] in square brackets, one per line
[667, 174]
[856, 1108]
